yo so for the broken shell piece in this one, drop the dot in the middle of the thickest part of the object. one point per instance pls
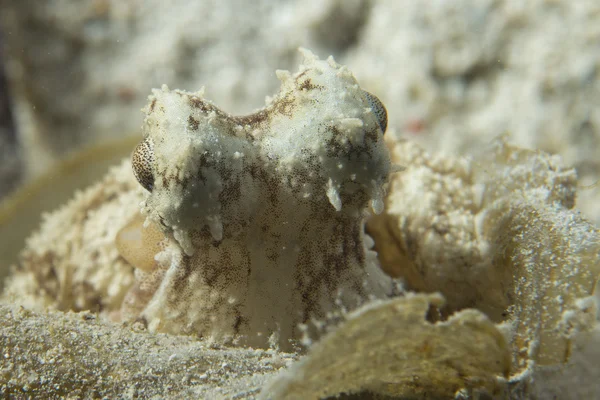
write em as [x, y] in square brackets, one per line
[388, 348]
[264, 213]
[554, 256]
[550, 252]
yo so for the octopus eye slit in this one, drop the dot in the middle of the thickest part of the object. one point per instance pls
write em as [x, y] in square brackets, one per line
[378, 109]
[142, 161]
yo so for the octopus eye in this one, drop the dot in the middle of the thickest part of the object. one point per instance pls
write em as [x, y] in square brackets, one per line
[142, 161]
[378, 109]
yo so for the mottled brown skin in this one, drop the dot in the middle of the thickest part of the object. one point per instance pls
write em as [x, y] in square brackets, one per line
[263, 213]
[143, 155]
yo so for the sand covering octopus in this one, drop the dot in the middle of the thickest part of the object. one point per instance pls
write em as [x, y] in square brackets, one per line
[251, 226]
[252, 233]
[263, 214]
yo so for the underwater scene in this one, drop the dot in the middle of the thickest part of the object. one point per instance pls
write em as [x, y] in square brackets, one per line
[300, 199]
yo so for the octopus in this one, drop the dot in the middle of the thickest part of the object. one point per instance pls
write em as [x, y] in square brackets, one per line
[253, 226]
[251, 233]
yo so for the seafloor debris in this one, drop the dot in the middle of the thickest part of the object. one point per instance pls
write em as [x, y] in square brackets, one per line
[389, 349]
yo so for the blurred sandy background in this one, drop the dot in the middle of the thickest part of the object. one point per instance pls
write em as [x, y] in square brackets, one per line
[454, 74]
